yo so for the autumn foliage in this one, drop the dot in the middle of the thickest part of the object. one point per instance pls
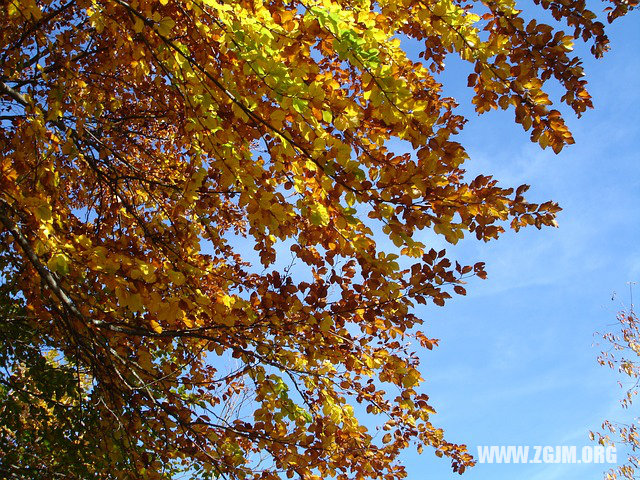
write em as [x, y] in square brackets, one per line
[148, 146]
[621, 352]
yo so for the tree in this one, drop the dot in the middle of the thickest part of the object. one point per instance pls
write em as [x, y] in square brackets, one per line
[45, 431]
[622, 356]
[146, 143]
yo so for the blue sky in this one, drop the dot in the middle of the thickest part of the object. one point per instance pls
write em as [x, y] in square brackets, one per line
[517, 362]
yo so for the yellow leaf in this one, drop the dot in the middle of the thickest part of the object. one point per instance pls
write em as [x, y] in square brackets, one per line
[59, 263]
[325, 324]
[134, 302]
[156, 326]
[43, 212]
[165, 25]
[319, 215]
[177, 278]
[227, 300]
